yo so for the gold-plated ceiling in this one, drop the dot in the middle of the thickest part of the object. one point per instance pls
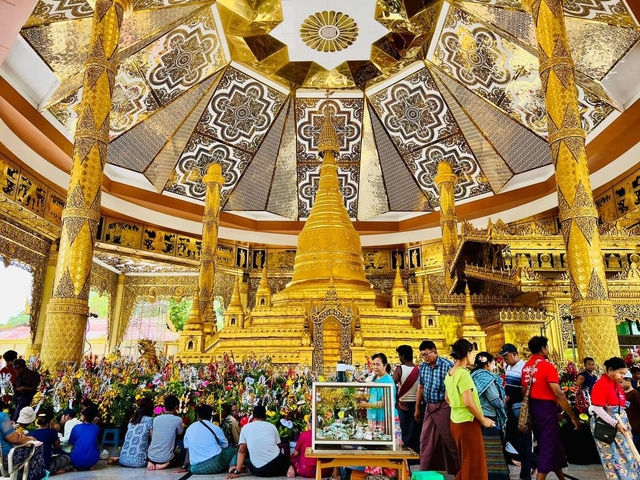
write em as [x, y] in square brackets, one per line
[205, 81]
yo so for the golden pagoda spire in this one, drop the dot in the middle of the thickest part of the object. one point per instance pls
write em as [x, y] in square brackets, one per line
[470, 327]
[194, 321]
[234, 314]
[264, 281]
[328, 240]
[426, 293]
[399, 295]
[469, 315]
[397, 282]
[328, 139]
[263, 294]
[235, 301]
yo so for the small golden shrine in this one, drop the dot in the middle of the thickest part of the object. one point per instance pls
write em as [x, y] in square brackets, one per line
[329, 312]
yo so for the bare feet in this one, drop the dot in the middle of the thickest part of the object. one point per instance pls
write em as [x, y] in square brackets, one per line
[113, 460]
[291, 472]
[151, 466]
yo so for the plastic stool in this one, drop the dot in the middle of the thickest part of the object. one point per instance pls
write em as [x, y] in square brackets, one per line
[426, 476]
[111, 436]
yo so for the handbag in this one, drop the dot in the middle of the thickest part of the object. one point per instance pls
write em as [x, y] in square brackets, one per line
[603, 431]
[524, 419]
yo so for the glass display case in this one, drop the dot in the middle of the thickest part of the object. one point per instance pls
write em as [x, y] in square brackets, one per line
[353, 415]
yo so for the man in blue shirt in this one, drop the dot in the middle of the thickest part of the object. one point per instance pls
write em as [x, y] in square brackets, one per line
[435, 435]
[209, 451]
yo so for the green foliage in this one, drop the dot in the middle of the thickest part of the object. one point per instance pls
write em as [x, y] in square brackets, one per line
[18, 319]
[99, 304]
[179, 312]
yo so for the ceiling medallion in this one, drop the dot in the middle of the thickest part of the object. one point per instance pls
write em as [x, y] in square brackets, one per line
[329, 31]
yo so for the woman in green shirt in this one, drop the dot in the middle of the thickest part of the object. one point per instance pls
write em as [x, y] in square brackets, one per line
[467, 419]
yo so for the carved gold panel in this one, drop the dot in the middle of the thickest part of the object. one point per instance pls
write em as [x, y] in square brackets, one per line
[125, 234]
[188, 247]
[158, 241]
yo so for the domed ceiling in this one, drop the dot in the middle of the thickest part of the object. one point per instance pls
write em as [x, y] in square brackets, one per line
[408, 84]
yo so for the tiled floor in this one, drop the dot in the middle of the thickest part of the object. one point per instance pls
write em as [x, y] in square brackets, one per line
[104, 472]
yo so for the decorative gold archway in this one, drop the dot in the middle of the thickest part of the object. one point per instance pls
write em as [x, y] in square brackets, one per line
[331, 309]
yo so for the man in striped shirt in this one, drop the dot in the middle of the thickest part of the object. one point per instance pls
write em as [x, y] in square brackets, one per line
[522, 442]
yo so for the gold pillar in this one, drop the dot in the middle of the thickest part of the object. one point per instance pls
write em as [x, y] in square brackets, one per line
[47, 290]
[114, 327]
[594, 314]
[67, 311]
[446, 181]
[213, 181]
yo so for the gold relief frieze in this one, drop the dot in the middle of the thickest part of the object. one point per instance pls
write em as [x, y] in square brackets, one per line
[9, 177]
[122, 233]
[159, 241]
[281, 259]
[188, 247]
[19, 185]
[224, 255]
[376, 260]
[32, 193]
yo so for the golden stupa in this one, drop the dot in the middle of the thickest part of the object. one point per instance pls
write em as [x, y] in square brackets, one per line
[329, 312]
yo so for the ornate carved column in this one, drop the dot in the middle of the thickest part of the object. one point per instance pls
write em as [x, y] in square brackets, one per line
[213, 181]
[47, 289]
[594, 315]
[446, 181]
[117, 315]
[67, 311]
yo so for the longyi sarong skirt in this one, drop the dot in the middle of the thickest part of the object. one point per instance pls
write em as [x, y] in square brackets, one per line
[544, 420]
[468, 438]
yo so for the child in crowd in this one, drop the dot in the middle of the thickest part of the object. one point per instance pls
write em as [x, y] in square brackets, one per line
[305, 467]
[27, 417]
[84, 438]
[50, 441]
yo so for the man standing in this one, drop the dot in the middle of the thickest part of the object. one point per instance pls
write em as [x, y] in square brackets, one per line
[406, 377]
[26, 386]
[435, 424]
[587, 378]
[522, 442]
[8, 374]
[546, 397]
[633, 407]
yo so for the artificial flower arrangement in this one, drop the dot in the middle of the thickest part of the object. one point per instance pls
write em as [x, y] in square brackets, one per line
[115, 385]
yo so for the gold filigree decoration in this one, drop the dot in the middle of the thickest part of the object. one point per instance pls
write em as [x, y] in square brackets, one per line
[329, 31]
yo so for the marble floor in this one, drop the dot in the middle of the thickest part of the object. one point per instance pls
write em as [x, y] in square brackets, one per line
[104, 472]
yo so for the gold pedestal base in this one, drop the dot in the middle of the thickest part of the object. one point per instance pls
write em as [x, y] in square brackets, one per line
[64, 331]
[595, 328]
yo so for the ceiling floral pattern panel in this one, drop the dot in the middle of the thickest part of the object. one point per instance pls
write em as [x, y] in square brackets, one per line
[414, 112]
[241, 110]
[245, 83]
[346, 116]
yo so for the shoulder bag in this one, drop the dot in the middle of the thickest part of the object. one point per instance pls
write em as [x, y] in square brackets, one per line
[602, 430]
[524, 419]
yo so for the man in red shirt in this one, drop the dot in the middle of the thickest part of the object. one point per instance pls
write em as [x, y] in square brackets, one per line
[8, 373]
[546, 396]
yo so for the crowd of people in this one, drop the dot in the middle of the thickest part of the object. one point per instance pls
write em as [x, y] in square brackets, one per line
[460, 415]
